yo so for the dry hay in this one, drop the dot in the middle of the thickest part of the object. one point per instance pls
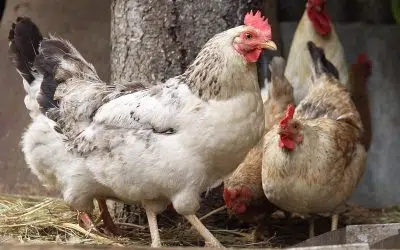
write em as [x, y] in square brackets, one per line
[43, 220]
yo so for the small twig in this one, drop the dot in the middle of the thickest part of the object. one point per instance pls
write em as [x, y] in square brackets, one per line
[231, 232]
[131, 225]
[97, 237]
[209, 214]
[43, 205]
[23, 224]
[213, 212]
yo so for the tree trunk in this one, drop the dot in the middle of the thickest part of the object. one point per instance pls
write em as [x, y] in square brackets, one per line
[153, 40]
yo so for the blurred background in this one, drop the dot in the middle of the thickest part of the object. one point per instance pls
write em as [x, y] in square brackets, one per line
[362, 25]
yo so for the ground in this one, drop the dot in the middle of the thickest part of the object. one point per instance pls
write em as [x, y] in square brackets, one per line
[49, 220]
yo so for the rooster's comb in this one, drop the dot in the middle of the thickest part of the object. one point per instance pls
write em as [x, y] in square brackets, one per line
[258, 21]
[363, 60]
[288, 116]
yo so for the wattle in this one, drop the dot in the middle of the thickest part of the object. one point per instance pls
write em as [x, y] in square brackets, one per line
[287, 143]
[253, 55]
[320, 21]
[240, 208]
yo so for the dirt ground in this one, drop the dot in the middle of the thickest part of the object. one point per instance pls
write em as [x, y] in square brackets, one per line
[44, 220]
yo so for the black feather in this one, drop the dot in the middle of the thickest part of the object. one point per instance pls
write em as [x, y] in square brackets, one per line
[24, 39]
[53, 54]
[321, 65]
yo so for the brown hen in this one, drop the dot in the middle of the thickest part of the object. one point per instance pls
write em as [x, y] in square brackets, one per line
[314, 158]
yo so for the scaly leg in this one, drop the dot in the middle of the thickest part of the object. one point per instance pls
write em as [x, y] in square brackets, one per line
[311, 228]
[106, 217]
[155, 235]
[210, 239]
[86, 221]
[335, 221]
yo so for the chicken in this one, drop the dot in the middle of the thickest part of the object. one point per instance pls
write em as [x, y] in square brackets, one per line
[155, 145]
[359, 73]
[243, 193]
[314, 158]
[315, 26]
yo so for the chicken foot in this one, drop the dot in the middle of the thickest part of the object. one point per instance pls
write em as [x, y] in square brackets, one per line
[334, 222]
[153, 226]
[86, 221]
[209, 238]
[106, 217]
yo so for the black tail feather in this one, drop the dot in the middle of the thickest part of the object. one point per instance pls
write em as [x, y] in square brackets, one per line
[58, 61]
[24, 40]
[54, 61]
[321, 65]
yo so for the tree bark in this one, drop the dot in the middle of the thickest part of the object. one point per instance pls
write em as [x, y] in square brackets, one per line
[153, 40]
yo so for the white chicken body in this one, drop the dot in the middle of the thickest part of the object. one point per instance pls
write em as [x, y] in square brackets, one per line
[139, 143]
[138, 164]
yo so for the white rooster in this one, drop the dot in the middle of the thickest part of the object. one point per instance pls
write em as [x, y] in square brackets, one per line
[154, 145]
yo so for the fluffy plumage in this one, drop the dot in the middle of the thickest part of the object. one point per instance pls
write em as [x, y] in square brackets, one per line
[148, 144]
[313, 161]
[24, 42]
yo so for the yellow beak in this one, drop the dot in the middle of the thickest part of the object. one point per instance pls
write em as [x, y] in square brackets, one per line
[269, 45]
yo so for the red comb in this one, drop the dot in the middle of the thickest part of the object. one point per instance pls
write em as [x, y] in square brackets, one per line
[259, 22]
[363, 60]
[288, 116]
[317, 2]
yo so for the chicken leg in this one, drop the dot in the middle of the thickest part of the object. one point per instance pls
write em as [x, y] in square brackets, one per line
[106, 217]
[334, 222]
[210, 239]
[155, 235]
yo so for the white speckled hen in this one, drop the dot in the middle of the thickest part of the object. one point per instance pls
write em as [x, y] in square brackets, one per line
[155, 145]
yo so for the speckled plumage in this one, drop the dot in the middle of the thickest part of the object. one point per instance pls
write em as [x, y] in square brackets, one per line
[153, 144]
[322, 171]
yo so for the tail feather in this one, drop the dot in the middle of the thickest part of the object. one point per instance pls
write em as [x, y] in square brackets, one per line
[321, 65]
[24, 39]
[58, 61]
[280, 86]
[44, 64]
[277, 66]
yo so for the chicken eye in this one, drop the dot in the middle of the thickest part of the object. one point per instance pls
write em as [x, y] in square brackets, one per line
[249, 36]
[296, 126]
